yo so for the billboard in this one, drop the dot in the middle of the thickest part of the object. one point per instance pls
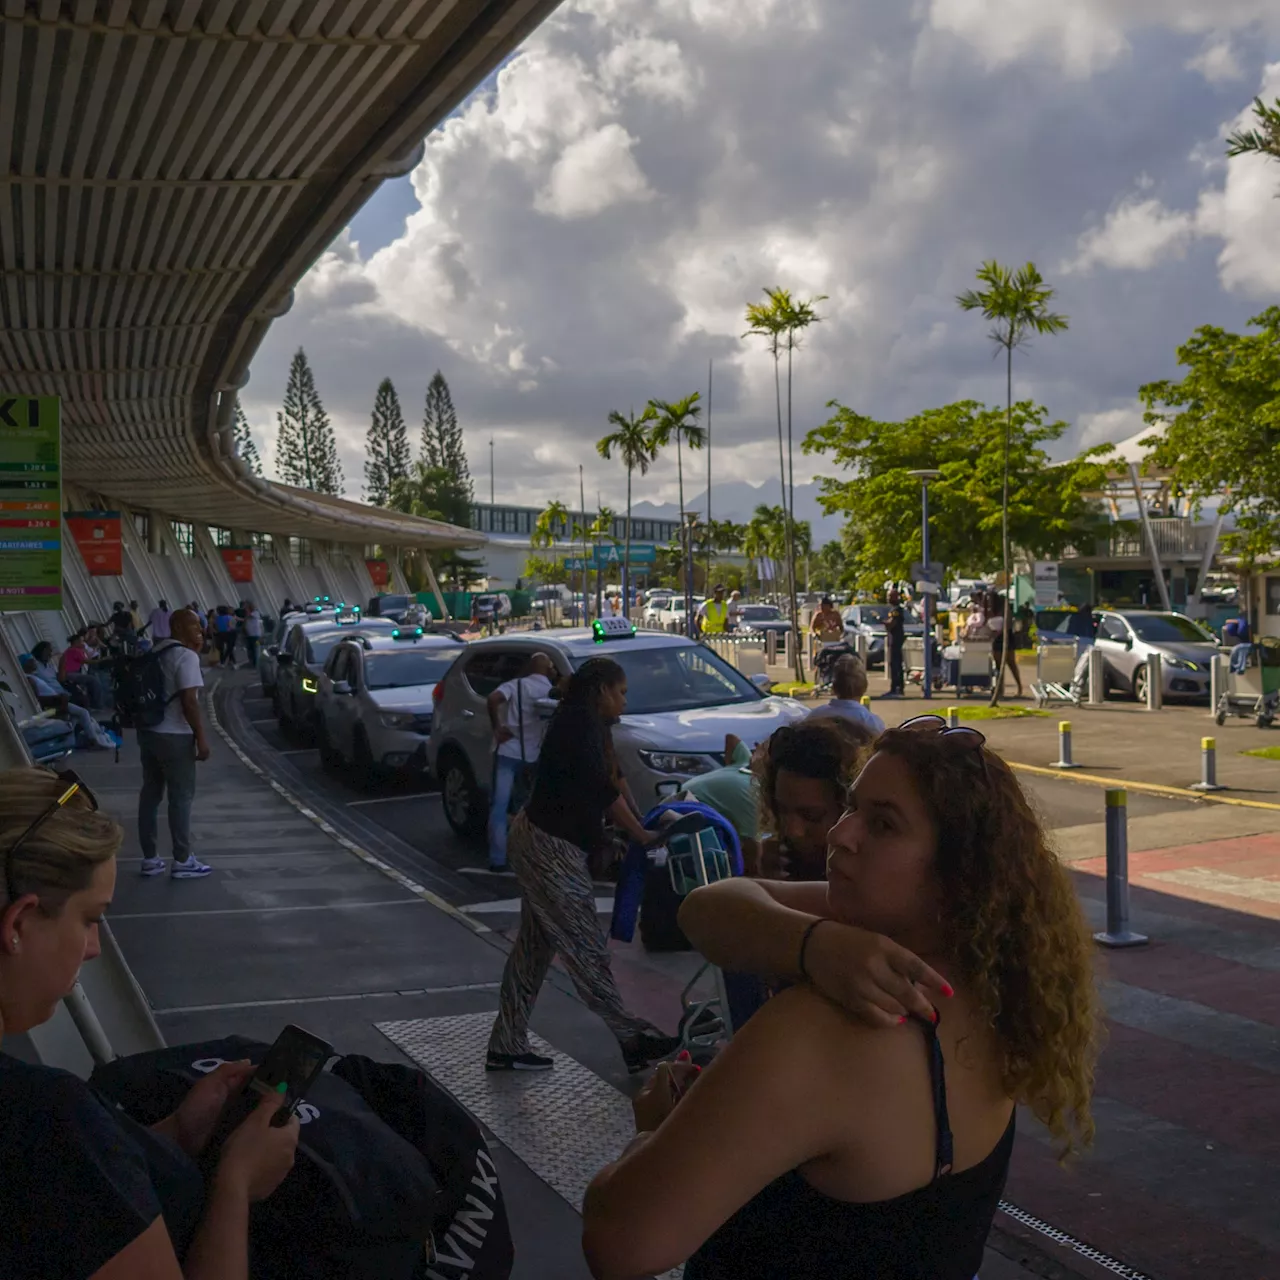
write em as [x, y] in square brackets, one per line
[30, 503]
[97, 535]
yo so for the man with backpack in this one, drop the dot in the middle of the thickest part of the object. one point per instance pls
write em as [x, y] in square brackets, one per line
[163, 703]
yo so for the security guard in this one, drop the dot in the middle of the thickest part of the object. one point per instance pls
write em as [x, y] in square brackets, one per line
[713, 616]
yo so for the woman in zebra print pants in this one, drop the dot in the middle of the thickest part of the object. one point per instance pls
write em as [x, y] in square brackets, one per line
[577, 784]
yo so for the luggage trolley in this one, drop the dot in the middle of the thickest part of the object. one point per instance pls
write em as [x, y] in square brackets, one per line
[1055, 675]
[1253, 693]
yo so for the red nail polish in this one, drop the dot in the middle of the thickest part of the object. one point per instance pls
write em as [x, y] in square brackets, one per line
[947, 990]
[683, 1055]
[934, 1015]
[902, 1019]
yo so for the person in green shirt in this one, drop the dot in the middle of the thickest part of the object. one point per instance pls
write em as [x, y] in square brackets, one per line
[732, 792]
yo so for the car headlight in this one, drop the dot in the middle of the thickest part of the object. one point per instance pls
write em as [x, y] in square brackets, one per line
[1181, 664]
[309, 685]
[673, 762]
[398, 719]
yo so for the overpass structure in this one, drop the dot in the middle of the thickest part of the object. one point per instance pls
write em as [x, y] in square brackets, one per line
[171, 169]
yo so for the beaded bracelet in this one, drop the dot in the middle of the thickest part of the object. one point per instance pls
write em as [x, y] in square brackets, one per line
[804, 945]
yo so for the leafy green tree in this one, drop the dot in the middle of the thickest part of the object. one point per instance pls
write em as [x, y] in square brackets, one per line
[246, 450]
[442, 441]
[630, 439]
[1048, 508]
[1016, 301]
[765, 538]
[433, 493]
[386, 446]
[1222, 428]
[1264, 140]
[306, 448]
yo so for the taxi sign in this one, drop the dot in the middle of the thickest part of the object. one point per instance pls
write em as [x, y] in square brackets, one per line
[615, 628]
[407, 633]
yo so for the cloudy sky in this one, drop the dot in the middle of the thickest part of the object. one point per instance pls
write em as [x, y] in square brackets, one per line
[586, 231]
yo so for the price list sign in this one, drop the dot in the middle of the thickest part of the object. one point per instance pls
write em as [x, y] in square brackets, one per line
[30, 503]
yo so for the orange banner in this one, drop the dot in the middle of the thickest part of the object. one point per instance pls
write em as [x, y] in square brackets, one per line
[239, 562]
[380, 572]
[97, 534]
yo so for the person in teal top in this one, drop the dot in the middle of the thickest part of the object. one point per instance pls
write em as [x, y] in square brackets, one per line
[731, 791]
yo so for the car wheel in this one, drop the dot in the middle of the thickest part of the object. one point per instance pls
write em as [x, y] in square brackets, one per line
[364, 766]
[330, 756]
[1140, 683]
[463, 803]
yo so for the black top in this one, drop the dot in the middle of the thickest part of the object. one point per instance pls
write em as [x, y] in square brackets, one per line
[895, 626]
[81, 1180]
[574, 784]
[791, 1231]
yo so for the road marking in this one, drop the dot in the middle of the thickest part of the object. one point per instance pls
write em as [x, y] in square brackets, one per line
[247, 911]
[417, 795]
[296, 751]
[331, 831]
[1148, 788]
[511, 906]
[357, 995]
[1218, 882]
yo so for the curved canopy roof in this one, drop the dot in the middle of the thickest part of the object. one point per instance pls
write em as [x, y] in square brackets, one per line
[172, 168]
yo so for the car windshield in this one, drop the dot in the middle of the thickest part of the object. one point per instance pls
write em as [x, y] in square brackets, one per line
[409, 668]
[322, 644]
[873, 612]
[677, 678]
[1168, 627]
[761, 613]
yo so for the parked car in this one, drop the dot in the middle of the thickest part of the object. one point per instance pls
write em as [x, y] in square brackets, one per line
[760, 619]
[301, 660]
[552, 599]
[657, 601]
[267, 656]
[389, 606]
[674, 612]
[681, 701]
[1127, 638]
[373, 702]
[1065, 626]
[867, 620]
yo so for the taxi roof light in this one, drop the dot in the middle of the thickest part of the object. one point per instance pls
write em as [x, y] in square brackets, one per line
[615, 628]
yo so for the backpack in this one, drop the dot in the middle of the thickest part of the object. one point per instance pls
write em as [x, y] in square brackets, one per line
[138, 685]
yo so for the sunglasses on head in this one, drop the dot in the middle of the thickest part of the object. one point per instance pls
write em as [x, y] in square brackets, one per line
[937, 724]
[71, 786]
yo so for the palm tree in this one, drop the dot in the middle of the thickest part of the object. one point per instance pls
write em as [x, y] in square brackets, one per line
[1262, 141]
[765, 536]
[1016, 302]
[678, 420]
[631, 440]
[547, 527]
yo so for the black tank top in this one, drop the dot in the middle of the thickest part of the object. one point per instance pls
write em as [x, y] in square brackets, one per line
[791, 1231]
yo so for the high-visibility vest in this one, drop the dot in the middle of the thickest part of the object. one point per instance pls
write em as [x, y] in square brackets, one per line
[717, 617]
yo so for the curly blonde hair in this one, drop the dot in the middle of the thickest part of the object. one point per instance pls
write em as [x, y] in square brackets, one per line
[1015, 926]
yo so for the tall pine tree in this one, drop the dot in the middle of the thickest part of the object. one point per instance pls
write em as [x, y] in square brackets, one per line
[386, 446]
[442, 443]
[306, 449]
[246, 450]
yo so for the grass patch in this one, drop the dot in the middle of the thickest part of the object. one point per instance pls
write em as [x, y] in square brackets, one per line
[995, 713]
[1265, 753]
[790, 689]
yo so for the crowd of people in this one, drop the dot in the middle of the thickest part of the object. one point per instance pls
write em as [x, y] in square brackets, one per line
[924, 967]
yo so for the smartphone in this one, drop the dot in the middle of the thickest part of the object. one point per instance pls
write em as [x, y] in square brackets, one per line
[294, 1062]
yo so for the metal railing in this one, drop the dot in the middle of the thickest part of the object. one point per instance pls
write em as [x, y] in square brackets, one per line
[1174, 536]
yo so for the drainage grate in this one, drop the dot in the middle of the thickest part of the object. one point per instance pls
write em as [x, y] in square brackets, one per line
[1060, 1237]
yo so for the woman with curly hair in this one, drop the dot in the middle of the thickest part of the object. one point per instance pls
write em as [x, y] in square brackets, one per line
[821, 1144]
[576, 786]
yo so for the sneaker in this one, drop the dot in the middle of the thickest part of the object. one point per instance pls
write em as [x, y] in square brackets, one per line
[647, 1048]
[517, 1062]
[191, 869]
[152, 867]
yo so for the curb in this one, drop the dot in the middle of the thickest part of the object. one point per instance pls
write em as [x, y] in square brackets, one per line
[1149, 788]
[331, 831]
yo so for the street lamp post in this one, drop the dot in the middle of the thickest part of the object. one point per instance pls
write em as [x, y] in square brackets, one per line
[691, 522]
[924, 476]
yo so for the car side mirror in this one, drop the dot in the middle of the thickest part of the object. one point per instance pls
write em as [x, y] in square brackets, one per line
[341, 687]
[762, 682]
[1128, 642]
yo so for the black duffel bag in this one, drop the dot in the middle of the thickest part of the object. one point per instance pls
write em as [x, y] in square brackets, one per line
[361, 1200]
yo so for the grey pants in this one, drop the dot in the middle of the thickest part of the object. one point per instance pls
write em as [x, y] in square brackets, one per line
[168, 763]
[557, 917]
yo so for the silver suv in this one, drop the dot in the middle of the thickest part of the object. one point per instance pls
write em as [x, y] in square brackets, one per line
[301, 659]
[374, 702]
[681, 701]
[1127, 638]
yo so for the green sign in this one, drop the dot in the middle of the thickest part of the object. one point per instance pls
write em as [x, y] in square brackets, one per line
[30, 503]
[610, 557]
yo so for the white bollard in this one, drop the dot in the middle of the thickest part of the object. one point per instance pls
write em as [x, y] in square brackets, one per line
[1155, 683]
[1064, 760]
[1208, 767]
[862, 647]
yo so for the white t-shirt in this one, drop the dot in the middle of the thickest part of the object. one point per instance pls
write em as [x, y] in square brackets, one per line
[253, 624]
[851, 711]
[181, 667]
[160, 624]
[523, 694]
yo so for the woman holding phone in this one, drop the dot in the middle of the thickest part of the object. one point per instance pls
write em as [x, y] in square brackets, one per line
[87, 1193]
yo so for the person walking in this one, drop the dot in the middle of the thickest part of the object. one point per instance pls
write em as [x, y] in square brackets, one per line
[224, 626]
[895, 634]
[1235, 632]
[578, 783]
[170, 751]
[734, 618]
[252, 633]
[995, 623]
[517, 736]
[713, 614]
[158, 622]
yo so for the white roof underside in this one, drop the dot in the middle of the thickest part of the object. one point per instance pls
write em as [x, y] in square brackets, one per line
[171, 169]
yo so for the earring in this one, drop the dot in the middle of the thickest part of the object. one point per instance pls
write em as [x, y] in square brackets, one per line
[15, 942]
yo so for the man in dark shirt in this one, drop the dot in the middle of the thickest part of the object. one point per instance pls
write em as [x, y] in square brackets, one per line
[894, 634]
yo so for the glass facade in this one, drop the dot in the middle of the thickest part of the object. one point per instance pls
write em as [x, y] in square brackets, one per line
[521, 521]
[184, 536]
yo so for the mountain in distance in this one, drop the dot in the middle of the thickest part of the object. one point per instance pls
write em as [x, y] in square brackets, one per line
[737, 500]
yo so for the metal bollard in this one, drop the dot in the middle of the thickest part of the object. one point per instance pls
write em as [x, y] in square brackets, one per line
[771, 647]
[862, 647]
[953, 717]
[866, 700]
[1097, 679]
[1064, 760]
[1117, 932]
[1208, 767]
[1155, 683]
[1217, 686]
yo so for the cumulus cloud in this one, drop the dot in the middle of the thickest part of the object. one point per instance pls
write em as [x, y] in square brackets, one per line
[587, 231]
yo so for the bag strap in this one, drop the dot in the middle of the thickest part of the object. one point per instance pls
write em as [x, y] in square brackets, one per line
[520, 714]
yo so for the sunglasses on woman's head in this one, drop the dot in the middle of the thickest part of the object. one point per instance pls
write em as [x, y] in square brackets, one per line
[71, 786]
[939, 725]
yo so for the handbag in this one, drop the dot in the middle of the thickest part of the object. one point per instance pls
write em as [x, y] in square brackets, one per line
[360, 1201]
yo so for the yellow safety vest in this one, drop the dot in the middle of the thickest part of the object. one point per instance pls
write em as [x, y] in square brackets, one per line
[717, 618]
